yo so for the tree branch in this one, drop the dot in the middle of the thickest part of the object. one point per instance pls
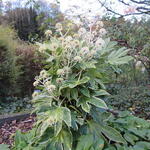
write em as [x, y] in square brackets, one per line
[140, 10]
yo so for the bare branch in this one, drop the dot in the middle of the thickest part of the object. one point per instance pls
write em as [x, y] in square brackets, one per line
[119, 14]
[145, 2]
[122, 1]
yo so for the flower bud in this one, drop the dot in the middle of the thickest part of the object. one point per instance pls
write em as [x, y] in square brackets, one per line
[100, 42]
[58, 26]
[35, 94]
[48, 33]
[66, 70]
[82, 31]
[44, 74]
[59, 80]
[102, 31]
[36, 83]
[60, 72]
[77, 58]
[100, 23]
[51, 88]
[48, 83]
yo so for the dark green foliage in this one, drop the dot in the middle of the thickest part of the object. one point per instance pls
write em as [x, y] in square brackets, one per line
[136, 99]
[14, 104]
[31, 63]
[24, 21]
[19, 64]
[9, 69]
[135, 134]
[133, 34]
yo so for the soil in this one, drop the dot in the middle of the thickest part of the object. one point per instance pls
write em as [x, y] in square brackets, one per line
[7, 131]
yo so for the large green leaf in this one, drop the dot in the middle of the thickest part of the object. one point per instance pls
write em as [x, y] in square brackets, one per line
[55, 116]
[86, 101]
[98, 102]
[65, 139]
[119, 57]
[66, 116]
[112, 134]
[130, 138]
[88, 65]
[85, 142]
[4, 147]
[101, 92]
[85, 91]
[108, 46]
[74, 93]
[74, 83]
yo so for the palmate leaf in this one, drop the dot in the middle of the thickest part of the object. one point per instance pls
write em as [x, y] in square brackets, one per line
[55, 117]
[4, 147]
[88, 65]
[85, 91]
[119, 57]
[85, 142]
[88, 142]
[74, 83]
[84, 104]
[111, 133]
[98, 102]
[41, 102]
[86, 101]
[74, 93]
[63, 141]
[108, 46]
[101, 92]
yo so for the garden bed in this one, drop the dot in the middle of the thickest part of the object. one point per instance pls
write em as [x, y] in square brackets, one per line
[9, 125]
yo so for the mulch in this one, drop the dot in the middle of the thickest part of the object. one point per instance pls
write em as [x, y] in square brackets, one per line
[8, 129]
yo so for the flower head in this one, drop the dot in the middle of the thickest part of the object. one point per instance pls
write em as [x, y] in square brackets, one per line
[44, 74]
[58, 26]
[36, 83]
[100, 42]
[102, 31]
[85, 50]
[77, 58]
[47, 83]
[35, 94]
[54, 46]
[82, 31]
[68, 38]
[100, 23]
[66, 69]
[51, 88]
[60, 72]
[48, 33]
[43, 47]
[59, 80]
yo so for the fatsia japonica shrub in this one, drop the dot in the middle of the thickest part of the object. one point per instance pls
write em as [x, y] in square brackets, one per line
[68, 102]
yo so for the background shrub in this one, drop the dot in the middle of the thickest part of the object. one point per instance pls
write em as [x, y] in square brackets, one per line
[31, 63]
[9, 69]
[19, 64]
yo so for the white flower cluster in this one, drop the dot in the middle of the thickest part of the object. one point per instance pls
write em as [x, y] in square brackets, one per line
[58, 27]
[62, 73]
[48, 33]
[70, 50]
[43, 75]
[43, 80]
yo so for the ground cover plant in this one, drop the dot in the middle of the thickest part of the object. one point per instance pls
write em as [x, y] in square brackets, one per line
[135, 98]
[71, 114]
